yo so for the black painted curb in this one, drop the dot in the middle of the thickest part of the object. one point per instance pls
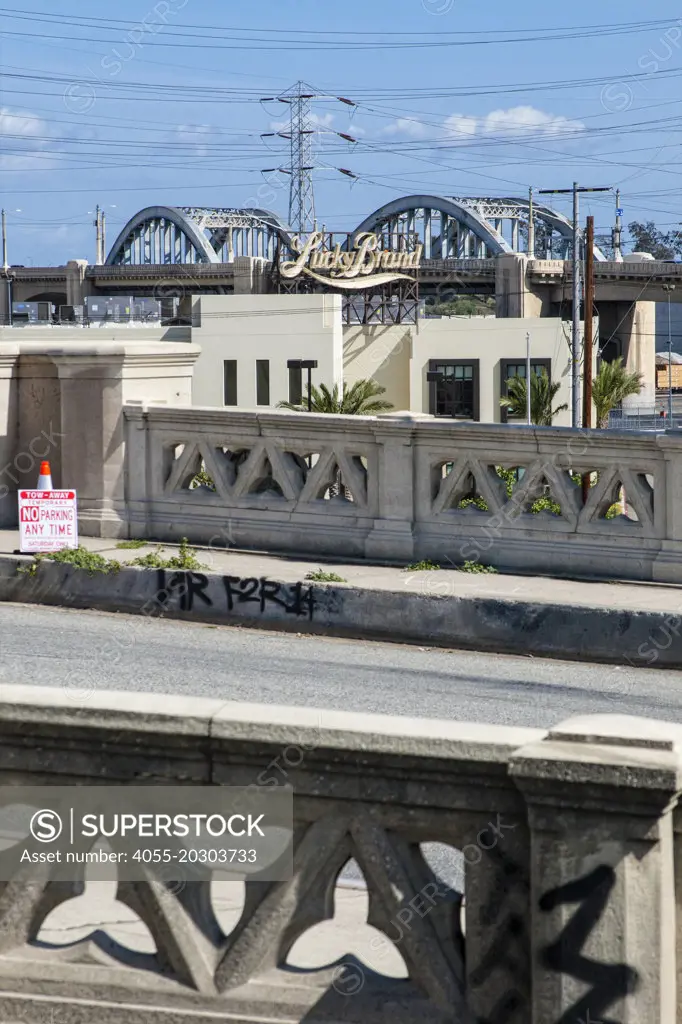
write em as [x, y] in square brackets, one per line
[505, 626]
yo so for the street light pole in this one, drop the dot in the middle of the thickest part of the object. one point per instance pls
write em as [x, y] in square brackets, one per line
[670, 288]
[528, 410]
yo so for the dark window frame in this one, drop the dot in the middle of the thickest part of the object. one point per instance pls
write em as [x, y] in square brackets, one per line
[231, 387]
[475, 364]
[545, 364]
[296, 386]
[262, 383]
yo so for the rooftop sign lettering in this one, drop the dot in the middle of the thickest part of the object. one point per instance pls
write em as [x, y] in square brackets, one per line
[363, 266]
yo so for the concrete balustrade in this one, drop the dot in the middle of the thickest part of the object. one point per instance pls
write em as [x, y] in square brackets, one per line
[413, 488]
[567, 909]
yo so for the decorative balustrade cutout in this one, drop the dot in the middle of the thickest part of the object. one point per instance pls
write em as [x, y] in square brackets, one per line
[267, 471]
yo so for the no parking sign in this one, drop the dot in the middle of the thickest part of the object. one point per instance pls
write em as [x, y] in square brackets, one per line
[48, 521]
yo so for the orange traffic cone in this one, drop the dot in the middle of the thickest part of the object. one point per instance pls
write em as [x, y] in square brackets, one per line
[45, 478]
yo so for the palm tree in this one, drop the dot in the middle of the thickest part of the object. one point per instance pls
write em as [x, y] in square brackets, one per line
[542, 394]
[360, 399]
[611, 385]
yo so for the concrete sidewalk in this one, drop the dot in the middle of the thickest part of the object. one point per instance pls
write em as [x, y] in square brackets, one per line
[589, 620]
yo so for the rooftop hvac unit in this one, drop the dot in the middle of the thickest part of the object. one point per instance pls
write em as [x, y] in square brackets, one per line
[32, 312]
[116, 308]
[146, 309]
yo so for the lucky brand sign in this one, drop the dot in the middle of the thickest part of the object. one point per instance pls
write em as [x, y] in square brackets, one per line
[48, 521]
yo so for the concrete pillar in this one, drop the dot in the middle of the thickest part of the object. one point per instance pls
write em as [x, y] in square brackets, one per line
[250, 275]
[9, 476]
[600, 792]
[95, 383]
[667, 567]
[76, 288]
[631, 328]
[5, 293]
[392, 536]
[39, 420]
[513, 289]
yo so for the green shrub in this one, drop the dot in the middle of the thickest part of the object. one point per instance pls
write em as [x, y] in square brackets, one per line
[202, 479]
[477, 567]
[185, 559]
[80, 558]
[321, 576]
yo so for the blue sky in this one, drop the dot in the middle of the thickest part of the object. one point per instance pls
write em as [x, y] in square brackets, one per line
[103, 112]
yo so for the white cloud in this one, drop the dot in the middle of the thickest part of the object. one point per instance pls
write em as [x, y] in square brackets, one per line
[529, 120]
[514, 124]
[21, 129]
[408, 126]
[462, 125]
[196, 134]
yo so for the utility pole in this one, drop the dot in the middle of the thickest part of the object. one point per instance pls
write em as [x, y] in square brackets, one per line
[589, 339]
[104, 237]
[589, 322]
[575, 337]
[618, 232]
[5, 267]
[528, 406]
[531, 226]
[98, 246]
[5, 264]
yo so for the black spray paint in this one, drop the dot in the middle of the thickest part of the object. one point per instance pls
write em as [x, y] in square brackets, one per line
[610, 982]
[192, 588]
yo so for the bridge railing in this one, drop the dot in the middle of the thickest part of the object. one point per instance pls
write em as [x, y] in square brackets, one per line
[517, 875]
[409, 489]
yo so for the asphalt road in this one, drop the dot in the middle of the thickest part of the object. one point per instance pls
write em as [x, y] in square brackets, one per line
[83, 651]
[90, 650]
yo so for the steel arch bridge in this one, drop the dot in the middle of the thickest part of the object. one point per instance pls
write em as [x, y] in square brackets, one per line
[171, 234]
[448, 227]
[476, 228]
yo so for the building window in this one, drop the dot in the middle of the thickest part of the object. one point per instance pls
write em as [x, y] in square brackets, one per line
[517, 368]
[230, 381]
[456, 393]
[262, 382]
[296, 386]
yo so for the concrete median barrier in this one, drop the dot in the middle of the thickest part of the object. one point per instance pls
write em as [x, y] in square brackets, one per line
[502, 625]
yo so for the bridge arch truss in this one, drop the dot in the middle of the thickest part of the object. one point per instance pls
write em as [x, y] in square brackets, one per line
[477, 228]
[167, 234]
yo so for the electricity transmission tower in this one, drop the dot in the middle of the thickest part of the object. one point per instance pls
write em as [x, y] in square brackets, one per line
[301, 132]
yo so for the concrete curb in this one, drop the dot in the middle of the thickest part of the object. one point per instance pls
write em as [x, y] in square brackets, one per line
[500, 625]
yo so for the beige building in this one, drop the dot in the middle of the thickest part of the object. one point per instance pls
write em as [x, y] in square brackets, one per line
[247, 340]
[474, 355]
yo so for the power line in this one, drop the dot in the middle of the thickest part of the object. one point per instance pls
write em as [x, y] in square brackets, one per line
[327, 40]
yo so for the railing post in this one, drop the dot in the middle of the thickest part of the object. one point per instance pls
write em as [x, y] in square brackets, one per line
[600, 792]
[668, 564]
[392, 536]
[138, 492]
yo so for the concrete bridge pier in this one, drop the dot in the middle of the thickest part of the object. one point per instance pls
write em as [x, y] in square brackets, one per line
[628, 329]
[514, 291]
